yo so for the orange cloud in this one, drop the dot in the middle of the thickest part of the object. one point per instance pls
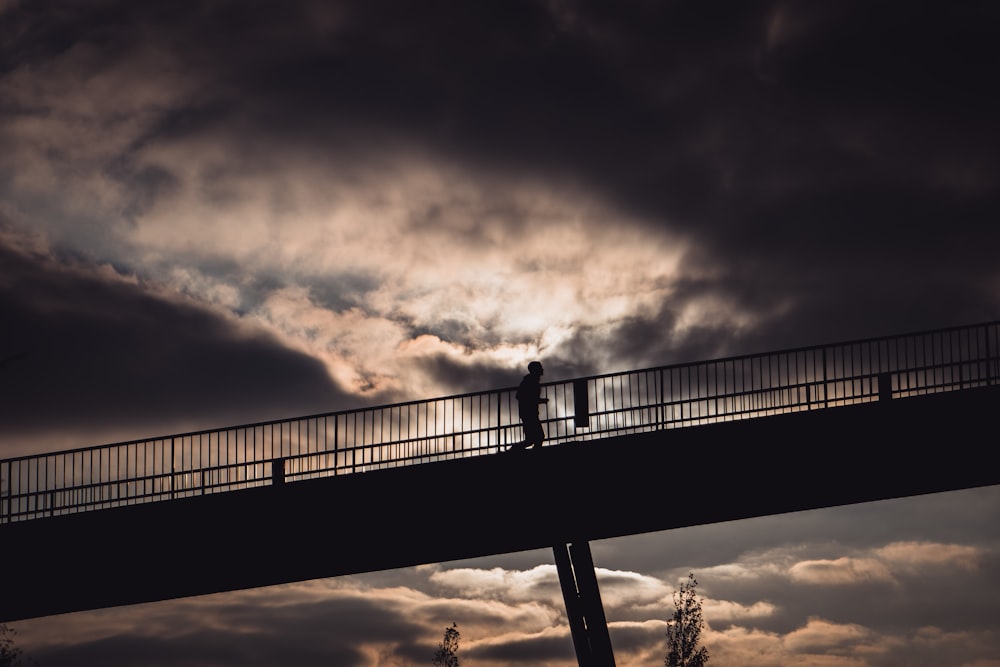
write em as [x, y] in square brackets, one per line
[840, 571]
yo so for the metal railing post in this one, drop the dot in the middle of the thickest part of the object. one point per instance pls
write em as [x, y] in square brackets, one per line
[336, 446]
[826, 386]
[173, 469]
[10, 491]
[990, 361]
[663, 403]
[581, 404]
[884, 387]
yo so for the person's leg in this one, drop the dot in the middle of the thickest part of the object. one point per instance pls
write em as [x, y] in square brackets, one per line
[533, 433]
[523, 445]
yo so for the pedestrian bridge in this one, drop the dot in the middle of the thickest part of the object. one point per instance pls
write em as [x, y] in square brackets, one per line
[431, 481]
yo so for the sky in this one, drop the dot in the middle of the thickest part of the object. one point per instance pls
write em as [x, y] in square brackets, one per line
[226, 211]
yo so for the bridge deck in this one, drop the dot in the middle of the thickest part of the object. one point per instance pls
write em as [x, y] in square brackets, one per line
[587, 490]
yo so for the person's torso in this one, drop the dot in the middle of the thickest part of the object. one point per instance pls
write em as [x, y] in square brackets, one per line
[529, 392]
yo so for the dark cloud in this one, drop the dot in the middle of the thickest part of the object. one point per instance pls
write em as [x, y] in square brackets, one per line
[531, 650]
[98, 354]
[339, 293]
[204, 647]
[927, 58]
[836, 166]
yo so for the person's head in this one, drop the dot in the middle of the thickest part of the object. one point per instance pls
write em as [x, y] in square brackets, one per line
[535, 368]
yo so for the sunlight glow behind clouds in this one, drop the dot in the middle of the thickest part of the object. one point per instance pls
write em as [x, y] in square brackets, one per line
[506, 286]
[495, 270]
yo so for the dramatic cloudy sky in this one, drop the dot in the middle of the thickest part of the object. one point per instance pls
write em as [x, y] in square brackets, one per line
[222, 211]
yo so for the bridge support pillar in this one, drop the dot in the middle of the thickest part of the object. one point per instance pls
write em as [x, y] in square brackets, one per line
[587, 622]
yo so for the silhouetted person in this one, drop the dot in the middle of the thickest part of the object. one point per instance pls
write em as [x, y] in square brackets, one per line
[528, 399]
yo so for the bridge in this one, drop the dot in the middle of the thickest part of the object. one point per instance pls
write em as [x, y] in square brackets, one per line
[363, 490]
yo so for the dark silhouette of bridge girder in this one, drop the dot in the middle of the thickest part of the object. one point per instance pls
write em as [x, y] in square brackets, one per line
[573, 492]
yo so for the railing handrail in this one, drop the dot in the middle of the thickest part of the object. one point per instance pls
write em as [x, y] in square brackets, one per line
[797, 369]
[501, 390]
[793, 350]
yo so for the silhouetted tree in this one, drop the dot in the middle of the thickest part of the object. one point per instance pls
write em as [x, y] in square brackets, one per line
[684, 629]
[10, 655]
[446, 654]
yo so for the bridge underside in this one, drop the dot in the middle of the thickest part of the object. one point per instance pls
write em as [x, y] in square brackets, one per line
[498, 504]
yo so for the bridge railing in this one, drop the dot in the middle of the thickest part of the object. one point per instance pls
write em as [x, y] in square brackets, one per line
[476, 424]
